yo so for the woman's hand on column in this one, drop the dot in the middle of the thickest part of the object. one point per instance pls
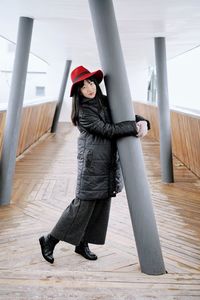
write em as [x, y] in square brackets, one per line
[142, 128]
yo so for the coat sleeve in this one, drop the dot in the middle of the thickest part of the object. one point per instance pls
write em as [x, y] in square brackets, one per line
[140, 118]
[90, 121]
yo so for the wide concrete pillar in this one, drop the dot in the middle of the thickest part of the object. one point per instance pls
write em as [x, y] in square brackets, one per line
[61, 96]
[166, 159]
[137, 189]
[15, 104]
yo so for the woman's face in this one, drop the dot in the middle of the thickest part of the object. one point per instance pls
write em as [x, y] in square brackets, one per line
[88, 90]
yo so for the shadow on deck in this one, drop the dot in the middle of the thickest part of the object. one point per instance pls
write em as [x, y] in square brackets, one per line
[44, 185]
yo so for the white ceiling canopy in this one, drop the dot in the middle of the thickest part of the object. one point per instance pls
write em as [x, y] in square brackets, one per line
[63, 28]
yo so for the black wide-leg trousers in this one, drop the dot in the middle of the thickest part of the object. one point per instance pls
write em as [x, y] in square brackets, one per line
[83, 221]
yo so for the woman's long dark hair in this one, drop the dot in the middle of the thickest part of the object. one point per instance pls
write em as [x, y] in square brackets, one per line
[77, 97]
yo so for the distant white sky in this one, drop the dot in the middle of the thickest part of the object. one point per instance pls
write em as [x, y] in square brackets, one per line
[184, 79]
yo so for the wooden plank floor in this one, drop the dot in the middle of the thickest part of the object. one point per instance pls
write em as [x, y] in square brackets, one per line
[44, 185]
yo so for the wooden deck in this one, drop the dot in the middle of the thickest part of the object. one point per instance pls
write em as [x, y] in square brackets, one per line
[44, 185]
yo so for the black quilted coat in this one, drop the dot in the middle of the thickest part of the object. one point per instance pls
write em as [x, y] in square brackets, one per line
[99, 173]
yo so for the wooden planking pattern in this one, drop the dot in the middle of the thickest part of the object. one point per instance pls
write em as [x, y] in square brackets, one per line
[185, 130]
[44, 185]
[36, 121]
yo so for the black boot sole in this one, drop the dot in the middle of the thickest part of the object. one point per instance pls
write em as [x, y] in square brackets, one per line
[85, 255]
[42, 244]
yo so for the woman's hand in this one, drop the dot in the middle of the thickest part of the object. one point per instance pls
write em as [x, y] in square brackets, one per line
[142, 129]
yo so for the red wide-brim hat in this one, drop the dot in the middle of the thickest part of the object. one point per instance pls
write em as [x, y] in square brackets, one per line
[80, 74]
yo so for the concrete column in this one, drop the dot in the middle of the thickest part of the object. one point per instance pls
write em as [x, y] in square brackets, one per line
[164, 112]
[137, 189]
[61, 96]
[15, 104]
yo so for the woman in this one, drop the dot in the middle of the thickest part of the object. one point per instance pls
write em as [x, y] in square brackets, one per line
[85, 220]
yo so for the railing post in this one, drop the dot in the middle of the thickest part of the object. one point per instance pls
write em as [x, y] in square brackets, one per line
[15, 104]
[166, 159]
[61, 96]
[137, 189]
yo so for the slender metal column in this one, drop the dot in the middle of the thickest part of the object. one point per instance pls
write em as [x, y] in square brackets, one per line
[164, 112]
[15, 104]
[61, 96]
[137, 190]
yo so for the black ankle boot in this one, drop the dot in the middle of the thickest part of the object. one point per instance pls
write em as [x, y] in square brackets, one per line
[47, 244]
[84, 250]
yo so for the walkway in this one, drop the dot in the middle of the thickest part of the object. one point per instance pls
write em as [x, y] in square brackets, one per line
[44, 185]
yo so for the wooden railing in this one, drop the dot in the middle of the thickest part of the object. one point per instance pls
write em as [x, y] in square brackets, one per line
[185, 128]
[185, 131]
[36, 121]
[2, 124]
